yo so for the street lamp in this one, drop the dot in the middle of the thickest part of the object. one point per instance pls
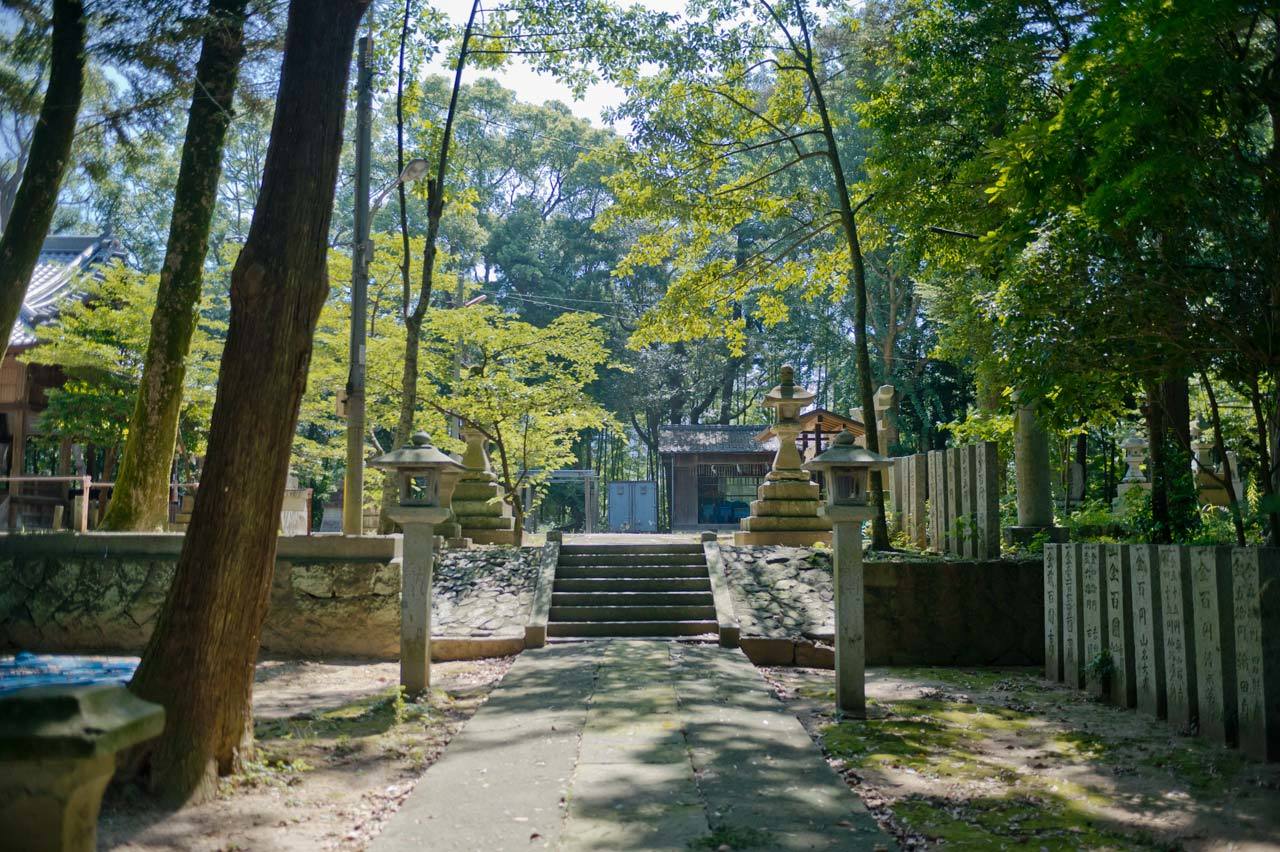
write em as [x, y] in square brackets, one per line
[426, 478]
[846, 468]
[416, 168]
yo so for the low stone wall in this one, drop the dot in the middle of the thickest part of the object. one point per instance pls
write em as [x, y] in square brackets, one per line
[1187, 634]
[330, 596]
[918, 611]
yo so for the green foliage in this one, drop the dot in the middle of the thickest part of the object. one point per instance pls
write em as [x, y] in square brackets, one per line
[100, 338]
[1101, 667]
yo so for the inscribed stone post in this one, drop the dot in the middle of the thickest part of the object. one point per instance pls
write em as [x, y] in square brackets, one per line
[919, 497]
[1072, 617]
[1120, 624]
[969, 497]
[1179, 636]
[953, 500]
[1256, 577]
[987, 489]
[1052, 613]
[1148, 629]
[1215, 640]
[1093, 591]
[938, 494]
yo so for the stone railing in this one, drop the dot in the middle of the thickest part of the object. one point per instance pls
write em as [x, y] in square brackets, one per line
[949, 500]
[1187, 634]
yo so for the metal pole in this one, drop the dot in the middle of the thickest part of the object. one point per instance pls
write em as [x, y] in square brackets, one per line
[353, 481]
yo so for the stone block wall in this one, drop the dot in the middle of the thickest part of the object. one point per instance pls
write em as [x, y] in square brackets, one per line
[918, 611]
[1188, 634]
[330, 596]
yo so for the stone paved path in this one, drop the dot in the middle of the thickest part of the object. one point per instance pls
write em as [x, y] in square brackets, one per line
[618, 745]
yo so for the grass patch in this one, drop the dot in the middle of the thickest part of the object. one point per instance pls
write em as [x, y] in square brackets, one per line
[1014, 822]
[1206, 769]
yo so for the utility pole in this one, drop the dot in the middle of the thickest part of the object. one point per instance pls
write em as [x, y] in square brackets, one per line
[353, 481]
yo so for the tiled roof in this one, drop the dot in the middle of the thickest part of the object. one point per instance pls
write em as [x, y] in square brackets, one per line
[61, 259]
[677, 440]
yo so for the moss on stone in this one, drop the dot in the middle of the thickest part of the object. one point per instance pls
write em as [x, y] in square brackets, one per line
[1037, 821]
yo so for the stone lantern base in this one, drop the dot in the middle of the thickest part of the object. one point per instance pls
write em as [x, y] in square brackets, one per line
[482, 514]
[786, 513]
[57, 752]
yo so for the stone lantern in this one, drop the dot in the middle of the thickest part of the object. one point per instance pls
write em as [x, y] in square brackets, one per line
[786, 511]
[847, 468]
[426, 478]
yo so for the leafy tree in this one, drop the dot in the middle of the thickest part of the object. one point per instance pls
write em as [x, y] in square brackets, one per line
[140, 498]
[737, 130]
[46, 163]
[524, 388]
[200, 658]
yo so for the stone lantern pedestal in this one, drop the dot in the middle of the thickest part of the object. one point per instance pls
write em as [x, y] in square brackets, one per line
[848, 586]
[787, 508]
[478, 504]
[58, 749]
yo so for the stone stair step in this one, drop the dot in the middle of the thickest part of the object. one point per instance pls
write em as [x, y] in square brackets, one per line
[574, 549]
[631, 613]
[603, 571]
[630, 628]
[689, 559]
[632, 584]
[630, 598]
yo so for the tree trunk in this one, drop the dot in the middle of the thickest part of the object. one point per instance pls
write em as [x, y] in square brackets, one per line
[1233, 499]
[140, 500]
[1168, 414]
[200, 660]
[1266, 465]
[37, 197]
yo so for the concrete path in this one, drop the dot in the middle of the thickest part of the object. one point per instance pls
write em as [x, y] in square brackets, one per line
[618, 745]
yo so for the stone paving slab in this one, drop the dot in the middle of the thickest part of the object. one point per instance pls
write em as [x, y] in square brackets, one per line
[631, 745]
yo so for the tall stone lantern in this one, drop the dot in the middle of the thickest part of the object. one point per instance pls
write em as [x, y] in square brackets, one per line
[847, 469]
[426, 479]
[786, 511]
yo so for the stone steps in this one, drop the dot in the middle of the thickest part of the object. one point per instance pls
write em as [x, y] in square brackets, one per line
[633, 584]
[633, 598]
[640, 590]
[643, 629]
[644, 570]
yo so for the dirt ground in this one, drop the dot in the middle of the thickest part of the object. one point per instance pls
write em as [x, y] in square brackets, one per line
[339, 751]
[983, 759]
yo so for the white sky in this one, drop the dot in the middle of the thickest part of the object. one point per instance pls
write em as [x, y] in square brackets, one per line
[535, 88]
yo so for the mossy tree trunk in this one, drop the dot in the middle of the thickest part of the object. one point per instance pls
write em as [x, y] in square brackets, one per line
[199, 662]
[141, 495]
[37, 197]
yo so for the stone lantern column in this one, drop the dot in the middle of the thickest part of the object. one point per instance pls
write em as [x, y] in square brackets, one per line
[787, 510]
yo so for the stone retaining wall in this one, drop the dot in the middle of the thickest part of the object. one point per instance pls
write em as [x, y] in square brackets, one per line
[918, 611]
[1188, 634]
[330, 596]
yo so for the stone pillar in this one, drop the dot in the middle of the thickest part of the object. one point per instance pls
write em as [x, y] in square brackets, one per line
[1094, 595]
[1073, 658]
[939, 493]
[1256, 581]
[786, 510]
[1148, 629]
[1181, 704]
[969, 500]
[1215, 644]
[917, 498]
[478, 505]
[1119, 597]
[886, 403]
[1052, 613]
[1031, 470]
[987, 499]
[850, 636]
[955, 502]
[58, 748]
[416, 565]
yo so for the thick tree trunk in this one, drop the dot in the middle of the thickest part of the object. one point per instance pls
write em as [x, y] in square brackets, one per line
[37, 197]
[140, 499]
[200, 660]
[1168, 415]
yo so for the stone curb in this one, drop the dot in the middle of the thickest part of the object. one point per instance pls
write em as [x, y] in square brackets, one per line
[726, 618]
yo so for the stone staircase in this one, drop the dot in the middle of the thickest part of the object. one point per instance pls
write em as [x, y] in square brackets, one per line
[645, 590]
